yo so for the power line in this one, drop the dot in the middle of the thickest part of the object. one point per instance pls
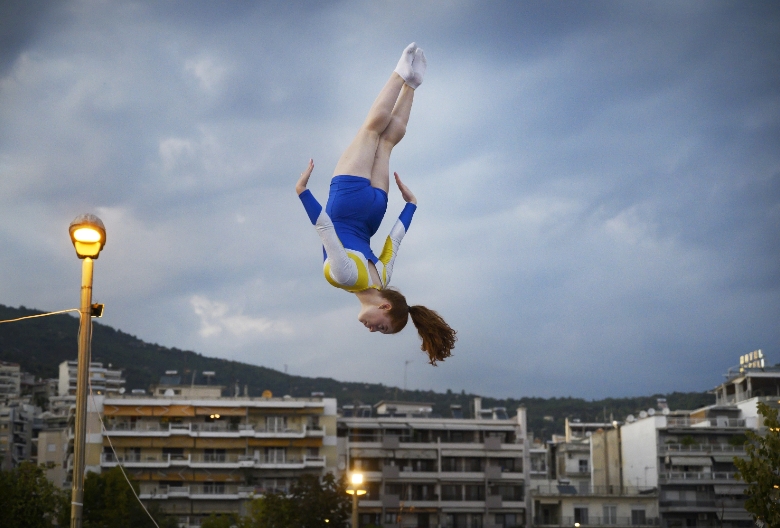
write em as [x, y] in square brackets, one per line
[39, 315]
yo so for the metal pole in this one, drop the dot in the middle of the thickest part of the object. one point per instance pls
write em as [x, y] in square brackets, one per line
[84, 359]
[355, 509]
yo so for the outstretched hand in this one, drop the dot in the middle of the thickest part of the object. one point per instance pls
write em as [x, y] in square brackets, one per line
[406, 194]
[304, 179]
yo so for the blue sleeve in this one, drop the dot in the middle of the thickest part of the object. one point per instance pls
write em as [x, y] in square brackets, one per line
[312, 206]
[406, 215]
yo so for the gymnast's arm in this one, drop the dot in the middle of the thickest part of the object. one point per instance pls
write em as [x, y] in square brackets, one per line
[342, 268]
[393, 241]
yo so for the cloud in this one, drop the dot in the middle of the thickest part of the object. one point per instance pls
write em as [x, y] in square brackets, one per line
[214, 319]
[598, 185]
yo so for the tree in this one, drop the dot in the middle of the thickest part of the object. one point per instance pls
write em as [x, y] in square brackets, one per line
[109, 502]
[320, 500]
[28, 500]
[220, 521]
[312, 503]
[761, 469]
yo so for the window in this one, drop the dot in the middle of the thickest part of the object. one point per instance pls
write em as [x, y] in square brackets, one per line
[581, 515]
[610, 514]
[638, 517]
[508, 493]
[276, 424]
[583, 466]
[507, 520]
[475, 492]
[451, 492]
[214, 455]
[275, 455]
[449, 464]
[584, 487]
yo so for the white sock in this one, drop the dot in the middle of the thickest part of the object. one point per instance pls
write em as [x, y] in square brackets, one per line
[419, 65]
[404, 68]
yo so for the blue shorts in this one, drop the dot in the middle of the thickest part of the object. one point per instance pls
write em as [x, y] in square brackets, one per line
[357, 210]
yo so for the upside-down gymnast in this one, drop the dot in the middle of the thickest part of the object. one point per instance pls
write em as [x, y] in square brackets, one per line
[356, 205]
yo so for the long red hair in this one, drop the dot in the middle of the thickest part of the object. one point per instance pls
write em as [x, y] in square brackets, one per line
[438, 338]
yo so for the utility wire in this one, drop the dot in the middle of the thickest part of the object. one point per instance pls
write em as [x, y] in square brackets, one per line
[105, 431]
[40, 315]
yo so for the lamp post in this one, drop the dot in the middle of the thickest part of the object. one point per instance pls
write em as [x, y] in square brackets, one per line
[88, 235]
[356, 479]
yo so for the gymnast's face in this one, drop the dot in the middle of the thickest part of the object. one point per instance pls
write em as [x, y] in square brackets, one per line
[376, 318]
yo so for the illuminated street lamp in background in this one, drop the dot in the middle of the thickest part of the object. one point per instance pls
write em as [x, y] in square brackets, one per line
[356, 479]
[88, 235]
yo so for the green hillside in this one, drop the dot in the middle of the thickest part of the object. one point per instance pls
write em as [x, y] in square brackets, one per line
[40, 345]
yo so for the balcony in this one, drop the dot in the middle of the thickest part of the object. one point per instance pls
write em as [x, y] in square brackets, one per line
[556, 490]
[209, 430]
[719, 422]
[612, 522]
[678, 477]
[211, 461]
[703, 448]
[206, 491]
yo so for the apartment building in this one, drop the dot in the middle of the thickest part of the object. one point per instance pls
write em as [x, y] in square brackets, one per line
[198, 453]
[690, 455]
[16, 434]
[426, 471]
[585, 485]
[103, 380]
[10, 381]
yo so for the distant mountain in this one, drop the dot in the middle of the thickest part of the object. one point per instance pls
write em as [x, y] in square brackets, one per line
[40, 345]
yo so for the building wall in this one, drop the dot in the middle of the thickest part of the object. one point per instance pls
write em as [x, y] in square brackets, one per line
[640, 451]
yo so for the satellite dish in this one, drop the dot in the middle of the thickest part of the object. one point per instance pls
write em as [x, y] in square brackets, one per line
[121, 390]
[651, 412]
[665, 411]
[630, 418]
[643, 414]
[168, 392]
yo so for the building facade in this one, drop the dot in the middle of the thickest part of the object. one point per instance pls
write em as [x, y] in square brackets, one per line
[425, 471]
[197, 453]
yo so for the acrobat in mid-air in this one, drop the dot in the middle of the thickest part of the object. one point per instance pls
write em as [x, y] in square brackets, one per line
[356, 205]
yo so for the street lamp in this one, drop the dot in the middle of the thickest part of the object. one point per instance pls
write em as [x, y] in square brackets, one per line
[356, 479]
[88, 235]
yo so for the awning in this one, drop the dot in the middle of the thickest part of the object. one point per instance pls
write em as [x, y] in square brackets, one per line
[416, 453]
[370, 453]
[724, 458]
[730, 489]
[691, 461]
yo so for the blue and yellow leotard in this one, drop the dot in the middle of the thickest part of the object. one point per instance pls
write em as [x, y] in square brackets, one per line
[352, 215]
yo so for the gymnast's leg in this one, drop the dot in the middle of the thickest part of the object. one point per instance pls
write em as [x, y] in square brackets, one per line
[359, 157]
[389, 138]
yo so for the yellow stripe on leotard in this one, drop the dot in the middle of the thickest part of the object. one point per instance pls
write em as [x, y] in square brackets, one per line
[363, 280]
[385, 257]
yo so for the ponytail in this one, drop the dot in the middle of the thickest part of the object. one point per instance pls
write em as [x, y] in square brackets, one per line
[438, 339]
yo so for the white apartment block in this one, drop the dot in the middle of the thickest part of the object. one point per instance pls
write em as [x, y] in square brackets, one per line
[425, 471]
[584, 485]
[102, 380]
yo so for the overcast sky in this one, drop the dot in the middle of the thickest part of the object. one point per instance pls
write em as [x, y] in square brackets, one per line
[598, 182]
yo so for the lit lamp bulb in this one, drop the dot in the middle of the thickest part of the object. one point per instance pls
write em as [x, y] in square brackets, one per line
[357, 479]
[88, 235]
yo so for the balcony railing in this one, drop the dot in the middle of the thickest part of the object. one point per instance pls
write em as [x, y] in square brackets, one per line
[696, 476]
[568, 489]
[597, 521]
[196, 491]
[704, 422]
[199, 428]
[200, 460]
[703, 448]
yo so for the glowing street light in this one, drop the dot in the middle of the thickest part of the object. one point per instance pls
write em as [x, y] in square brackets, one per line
[356, 479]
[88, 235]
